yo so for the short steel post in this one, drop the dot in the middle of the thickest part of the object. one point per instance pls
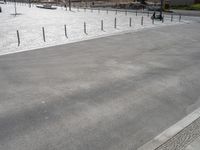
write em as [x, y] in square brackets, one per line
[101, 25]
[18, 38]
[44, 38]
[85, 30]
[171, 17]
[115, 23]
[130, 22]
[142, 21]
[65, 31]
[163, 19]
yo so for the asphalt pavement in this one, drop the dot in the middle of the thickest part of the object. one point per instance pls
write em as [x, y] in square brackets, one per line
[187, 12]
[111, 93]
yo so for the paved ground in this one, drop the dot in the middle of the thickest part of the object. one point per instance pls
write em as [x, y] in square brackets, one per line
[187, 12]
[113, 93]
[178, 136]
[194, 145]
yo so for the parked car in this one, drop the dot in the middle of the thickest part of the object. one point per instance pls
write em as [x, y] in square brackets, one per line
[1, 2]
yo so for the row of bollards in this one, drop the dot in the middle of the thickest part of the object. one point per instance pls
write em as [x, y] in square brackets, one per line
[65, 30]
[102, 27]
[43, 33]
[172, 18]
[126, 12]
[116, 11]
[85, 8]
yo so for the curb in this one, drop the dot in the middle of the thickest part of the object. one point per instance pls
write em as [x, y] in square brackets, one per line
[178, 136]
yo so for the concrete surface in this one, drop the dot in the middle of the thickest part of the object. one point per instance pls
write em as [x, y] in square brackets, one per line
[186, 12]
[112, 93]
[194, 145]
[177, 136]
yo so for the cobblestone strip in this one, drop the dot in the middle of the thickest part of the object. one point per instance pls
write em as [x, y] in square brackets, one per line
[183, 138]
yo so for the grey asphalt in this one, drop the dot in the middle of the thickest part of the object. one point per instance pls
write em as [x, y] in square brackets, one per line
[111, 93]
[186, 12]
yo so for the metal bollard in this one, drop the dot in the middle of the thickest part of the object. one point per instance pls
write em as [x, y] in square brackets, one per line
[130, 22]
[179, 18]
[85, 30]
[171, 17]
[126, 12]
[142, 21]
[18, 38]
[163, 19]
[44, 38]
[115, 23]
[136, 13]
[65, 31]
[101, 25]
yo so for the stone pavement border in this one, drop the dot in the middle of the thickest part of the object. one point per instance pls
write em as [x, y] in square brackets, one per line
[178, 136]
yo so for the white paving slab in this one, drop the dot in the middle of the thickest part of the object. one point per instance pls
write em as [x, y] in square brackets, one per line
[31, 20]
